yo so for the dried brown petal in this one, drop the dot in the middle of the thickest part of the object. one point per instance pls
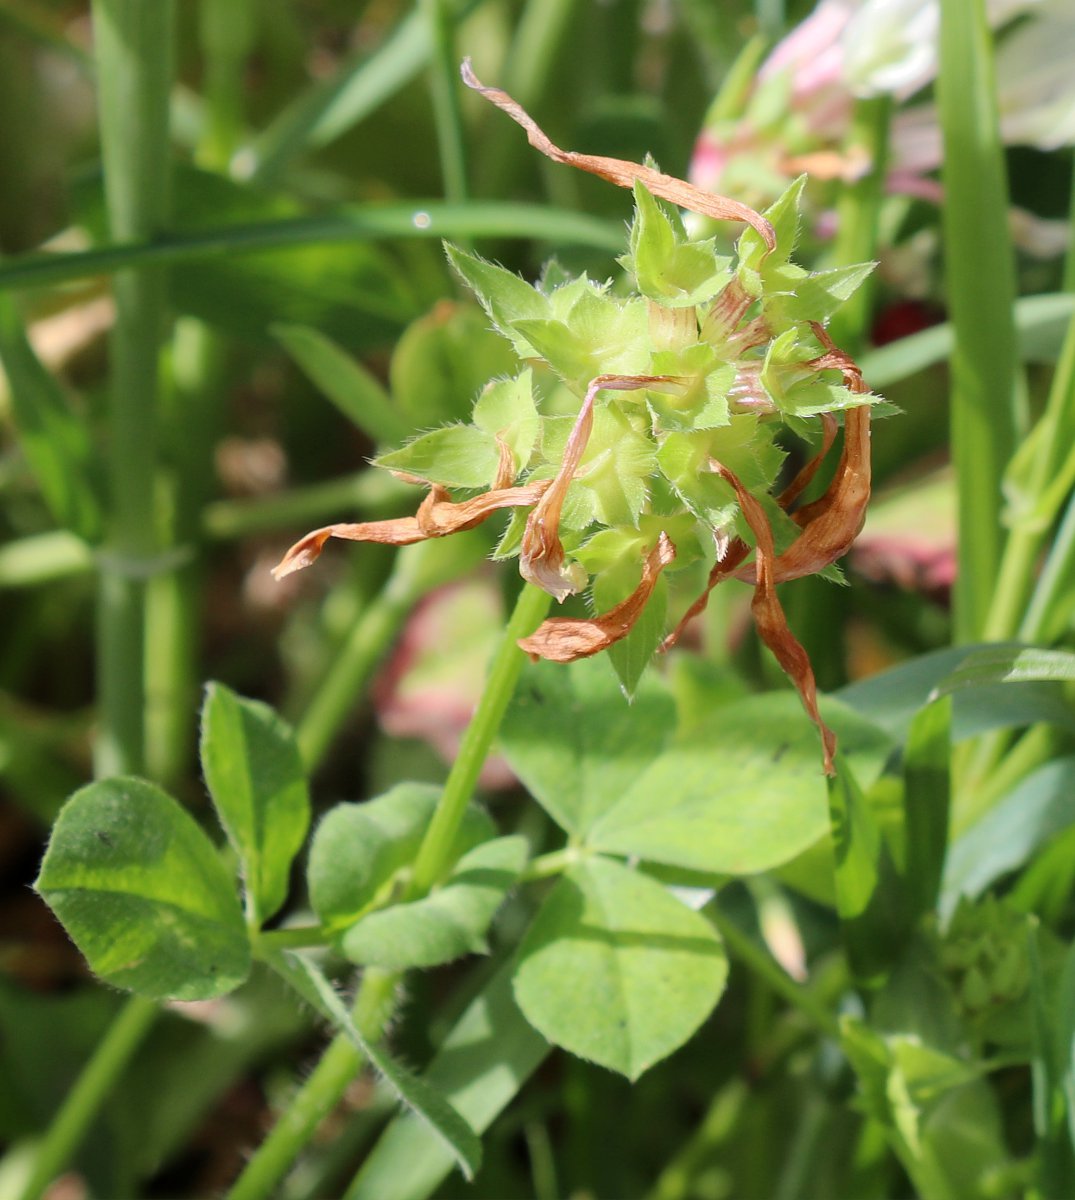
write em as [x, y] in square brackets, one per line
[769, 616]
[734, 552]
[624, 173]
[565, 639]
[831, 523]
[805, 476]
[541, 553]
[438, 516]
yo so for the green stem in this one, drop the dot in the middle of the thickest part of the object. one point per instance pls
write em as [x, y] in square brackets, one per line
[354, 223]
[535, 47]
[133, 47]
[356, 660]
[434, 854]
[322, 1091]
[317, 1097]
[91, 1089]
[858, 211]
[447, 110]
[1051, 471]
[768, 969]
[980, 277]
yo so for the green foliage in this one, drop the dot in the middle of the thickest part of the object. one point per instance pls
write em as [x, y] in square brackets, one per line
[258, 785]
[653, 968]
[904, 982]
[144, 894]
[447, 924]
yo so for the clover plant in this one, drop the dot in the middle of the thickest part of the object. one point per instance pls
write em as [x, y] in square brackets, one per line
[642, 441]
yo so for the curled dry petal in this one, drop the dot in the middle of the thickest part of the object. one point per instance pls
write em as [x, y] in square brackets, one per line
[769, 616]
[541, 553]
[565, 639]
[806, 475]
[438, 516]
[730, 555]
[832, 522]
[624, 173]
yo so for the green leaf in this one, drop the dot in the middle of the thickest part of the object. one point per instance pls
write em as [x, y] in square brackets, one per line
[355, 392]
[456, 456]
[54, 439]
[818, 295]
[602, 335]
[868, 894]
[144, 894]
[358, 848]
[1031, 815]
[739, 792]
[783, 215]
[442, 361]
[616, 970]
[450, 922]
[1008, 664]
[482, 1064]
[667, 267]
[258, 785]
[353, 293]
[891, 698]
[506, 410]
[927, 800]
[574, 742]
[635, 652]
[505, 296]
[423, 1100]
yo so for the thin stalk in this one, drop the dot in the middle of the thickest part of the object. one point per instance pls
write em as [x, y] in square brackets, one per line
[1050, 609]
[322, 1091]
[133, 48]
[434, 854]
[980, 277]
[445, 87]
[769, 970]
[353, 223]
[857, 212]
[356, 660]
[535, 47]
[91, 1089]
[319, 1095]
[1054, 460]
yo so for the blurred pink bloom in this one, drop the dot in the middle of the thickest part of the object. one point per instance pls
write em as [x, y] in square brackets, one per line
[797, 116]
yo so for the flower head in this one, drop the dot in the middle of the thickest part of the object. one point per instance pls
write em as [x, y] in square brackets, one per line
[638, 440]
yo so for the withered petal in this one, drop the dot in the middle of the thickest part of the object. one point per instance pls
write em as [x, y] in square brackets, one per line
[438, 516]
[622, 172]
[803, 479]
[724, 568]
[769, 616]
[565, 639]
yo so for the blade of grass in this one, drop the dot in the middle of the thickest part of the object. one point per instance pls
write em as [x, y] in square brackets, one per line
[979, 273]
[92, 1087]
[857, 212]
[133, 48]
[444, 86]
[483, 1062]
[348, 384]
[55, 442]
[414, 219]
[331, 107]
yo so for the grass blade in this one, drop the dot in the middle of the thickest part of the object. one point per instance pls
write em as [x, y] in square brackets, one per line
[981, 290]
